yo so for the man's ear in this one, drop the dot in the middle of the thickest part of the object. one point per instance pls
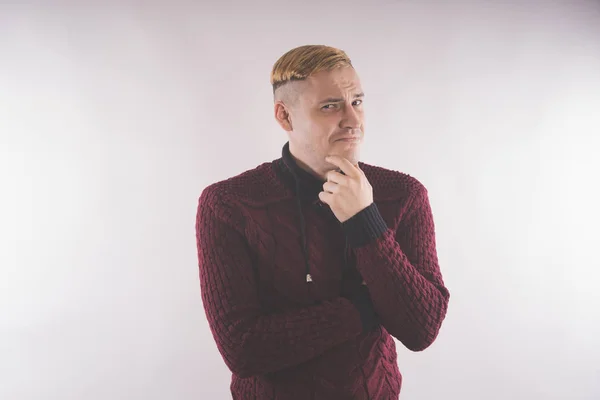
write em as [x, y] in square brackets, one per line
[282, 115]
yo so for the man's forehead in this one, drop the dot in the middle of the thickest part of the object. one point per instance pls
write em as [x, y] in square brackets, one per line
[331, 84]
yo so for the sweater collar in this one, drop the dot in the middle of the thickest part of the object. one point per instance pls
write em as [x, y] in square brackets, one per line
[296, 177]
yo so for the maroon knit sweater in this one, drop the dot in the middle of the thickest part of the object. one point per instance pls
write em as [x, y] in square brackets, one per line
[260, 233]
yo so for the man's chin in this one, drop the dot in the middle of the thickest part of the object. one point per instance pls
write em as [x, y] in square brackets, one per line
[352, 154]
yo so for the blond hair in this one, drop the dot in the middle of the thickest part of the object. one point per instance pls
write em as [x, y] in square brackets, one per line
[301, 62]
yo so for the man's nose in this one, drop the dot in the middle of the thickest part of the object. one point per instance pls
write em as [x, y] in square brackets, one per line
[351, 118]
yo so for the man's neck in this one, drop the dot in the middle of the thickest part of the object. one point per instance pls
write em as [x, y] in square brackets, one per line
[320, 175]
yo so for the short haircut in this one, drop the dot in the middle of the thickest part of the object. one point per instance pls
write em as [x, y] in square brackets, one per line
[301, 62]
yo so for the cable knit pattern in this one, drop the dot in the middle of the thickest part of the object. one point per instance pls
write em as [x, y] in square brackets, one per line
[406, 286]
[286, 339]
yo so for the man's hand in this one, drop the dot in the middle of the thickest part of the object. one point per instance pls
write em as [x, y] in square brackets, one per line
[347, 194]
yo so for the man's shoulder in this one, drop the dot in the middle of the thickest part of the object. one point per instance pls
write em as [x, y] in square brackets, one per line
[389, 184]
[251, 187]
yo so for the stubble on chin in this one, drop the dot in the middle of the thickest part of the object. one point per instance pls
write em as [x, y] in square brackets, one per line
[352, 156]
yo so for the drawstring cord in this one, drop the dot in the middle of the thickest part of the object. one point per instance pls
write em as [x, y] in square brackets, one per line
[303, 233]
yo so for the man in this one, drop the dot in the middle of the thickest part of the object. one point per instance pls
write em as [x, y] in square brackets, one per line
[311, 263]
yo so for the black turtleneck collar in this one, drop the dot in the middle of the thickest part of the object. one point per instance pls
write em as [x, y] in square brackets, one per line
[294, 176]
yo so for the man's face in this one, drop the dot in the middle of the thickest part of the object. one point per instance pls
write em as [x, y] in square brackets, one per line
[327, 118]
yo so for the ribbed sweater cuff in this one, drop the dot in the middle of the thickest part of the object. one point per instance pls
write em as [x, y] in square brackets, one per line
[367, 225]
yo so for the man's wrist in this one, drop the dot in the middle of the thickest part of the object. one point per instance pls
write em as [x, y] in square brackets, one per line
[365, 226]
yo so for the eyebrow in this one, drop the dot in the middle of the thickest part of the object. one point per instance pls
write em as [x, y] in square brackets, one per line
[340, 99]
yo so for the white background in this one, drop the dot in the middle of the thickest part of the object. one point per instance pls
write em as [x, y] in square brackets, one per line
[115, 116]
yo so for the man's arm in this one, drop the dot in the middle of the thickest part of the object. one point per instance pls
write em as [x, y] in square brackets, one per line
[401, 271]
[250, 341]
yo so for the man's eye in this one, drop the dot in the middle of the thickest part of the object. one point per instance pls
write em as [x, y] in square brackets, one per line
[334, 106]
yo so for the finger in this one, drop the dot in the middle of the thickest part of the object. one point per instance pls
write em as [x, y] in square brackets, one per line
[331, 187]
[343, 164]
[326, 197]
[336, 177]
